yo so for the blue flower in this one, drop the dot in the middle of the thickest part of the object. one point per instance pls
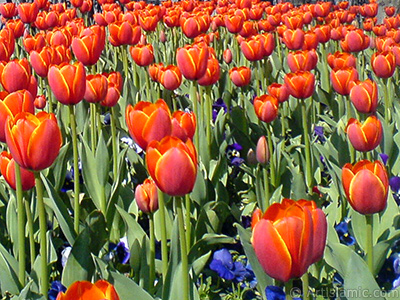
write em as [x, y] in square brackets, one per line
[121, 251]
[107, 119]
[276, 293]
[223, 264]
[319, 133]
[384, 158]
[233, 154]
[216, 107]
[56, 287]
[394, 183]
[390, 270]
[342, 229]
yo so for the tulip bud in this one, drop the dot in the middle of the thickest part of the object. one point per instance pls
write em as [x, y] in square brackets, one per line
[227, 56]
[146, 196]
[262, 151]
[40, 102]
[163, 36]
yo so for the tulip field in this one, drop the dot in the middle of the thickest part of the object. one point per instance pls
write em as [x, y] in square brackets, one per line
[195, 150]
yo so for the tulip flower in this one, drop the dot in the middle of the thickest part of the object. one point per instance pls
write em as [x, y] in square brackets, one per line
[364, 95]
[383, 64]
[366, 185]
[96, 88]
[40, 102]
[147, 122]
[15, 75]
[173, 165]
[146, 196]
[266, 108]
[262, 151]
[124, 33]
[212, 74]
[148, 22]
[7, 44]
[341, 79]
[89, 45]
[28, 12]
[300, 84]
[190, 26]
[34, 141]
[14, 103]
[355, 41]
[240, 76]
[192, 60]
[293, 39]
[252, 49]
[302, 60]
[84, 290]
[341, 60]
[289, 237]
[183, 125]
[233, 23]
[365, 137]
[279, 91]
[310, 41]
[34, 43]
[68, 82]
[170, 76]
[143, 55]
[41, 60]
[154, 71]
[7, 168]
[8, 10]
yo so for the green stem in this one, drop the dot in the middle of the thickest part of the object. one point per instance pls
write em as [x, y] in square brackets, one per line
[193, 98]
[114, 139]
[93, 125]
[388, 104]
[184, 257]
[271, 160]
[44, 272]
[32, 250]
[306, 284]
[148, 89]
[288, 289]
[208, 119]
[152, 274]
[164, 247]
[266, 187]
[50, 99]
[309, 174]
[369, 243]
[188, 223]
[21, 226]
[76, 166]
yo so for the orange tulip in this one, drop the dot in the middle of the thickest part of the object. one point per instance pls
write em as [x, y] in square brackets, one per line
[154, 71]
[146, 196]
[34, 43]
[7, 168]
[147, 121]
[341, 79]
[266, 108]
[302, 60]
[252, 49]
[89, 45]
[7, 44]
[148, 22]
[240, 76]
[14, 103]
[41, 60]
[124, 33]
[190, 26]
[383, 64]
[364, 95]
[355, 41]
[183, 125]
[192, 60]
[289, 237]
[323, 33]
[40, 102]
[227, 56]
[341, 60]
[84, 290]
[212, 74]
[173, 165]
[170, 77]
[279, 91]
[96, 88]
[8, 10]
[15, 75]
[34, 141]
[143, 55]
[390, 11]
[366, 185]
[233, 23]
[293, 39]
[68, 82]
[262, 151]
[300, 84]
[310, 41]
[365, 137]
[28, 12]
[115, 83]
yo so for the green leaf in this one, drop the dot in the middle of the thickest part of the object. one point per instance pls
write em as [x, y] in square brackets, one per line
[8, 272]
[208, 239]
[135, 231]
[127, 289]
[103, 161]
[96, 224]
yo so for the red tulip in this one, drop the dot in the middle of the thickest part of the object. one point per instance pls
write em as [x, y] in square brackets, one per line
[300, 84]
[96, 88]
[227, 55]
[212, 73]
[154, 71]
[7, 44]
[170, 77]
[148, 22]
[183, 125]
[355, 41]
[192, 60]
[146, 196]
[266, 108]
[7, 168]
[147, 122]
[41, 60]
[341, 79]
[15, 75]
[173, 165]
[190, 26]
[341, 60]
[89, 45]
[302, 60]
[34, 141]
[289, 237]
[233, 23]
[383, 64]
[279, 91]
[364, 95]
[143, 55]
[293, 39]
[40, 102]
[8, 10]
[240, 76]
[68, 82]
[27, 12]
[84, 290]
[252, 49]
[366, 185]
[124, 33]
[365, 137]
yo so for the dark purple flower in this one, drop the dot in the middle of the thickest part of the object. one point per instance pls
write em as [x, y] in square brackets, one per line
[121, 251]
[389, 272]
[319, 133]
[217, 106]
[342, 229]
[246, 221]
[276, 293]
[56, 287]
[233, 154]
[394, 183]
[223, 264]
[384, 158]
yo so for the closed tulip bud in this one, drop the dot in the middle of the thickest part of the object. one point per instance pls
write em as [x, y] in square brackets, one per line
[143, 55]
[85, 290]
[240, 76]
[266, 108]
[251, 157]
[227, 56]
[147, 122]
[154, 71]
[289, 237]
[34, 141]
[383, 64]
[390, 11]
[302, 60]
[7, 168]
[212, 74]
[262, 151]
[28, 12]
[15, 75]
[170, 77]
[89, 45]
[300, 84]
[279, 91]
[192, 60]
[366, 185]
[341, 60]
[40, 102]
[341, 79]
[364, 95]
[146, 196]
[173, 165]
[112, 96]
[163, 36]
[183, 125]
[367, 136]
[41, 61]
[68, 83]
[96, 88]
